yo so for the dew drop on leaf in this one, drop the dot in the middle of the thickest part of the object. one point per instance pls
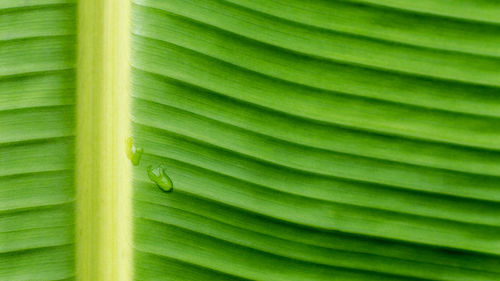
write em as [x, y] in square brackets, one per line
[158, 175]
[133, 153]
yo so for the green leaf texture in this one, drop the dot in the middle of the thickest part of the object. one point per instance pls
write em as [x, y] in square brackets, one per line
[37, 85]
[317, 140]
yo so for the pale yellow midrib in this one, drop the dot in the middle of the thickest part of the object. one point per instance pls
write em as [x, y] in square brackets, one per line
[103, 233]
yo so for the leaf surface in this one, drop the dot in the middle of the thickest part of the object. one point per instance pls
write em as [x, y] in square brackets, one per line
[318, 140]
[37, 94]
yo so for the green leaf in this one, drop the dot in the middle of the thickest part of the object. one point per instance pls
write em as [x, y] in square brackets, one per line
[37, 90]
[325, 140]
[298, 140]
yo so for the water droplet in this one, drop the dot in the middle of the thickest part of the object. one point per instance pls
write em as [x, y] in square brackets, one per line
[158, 175]
[133, 153]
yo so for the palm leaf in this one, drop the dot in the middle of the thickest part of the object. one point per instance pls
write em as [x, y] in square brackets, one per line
[306, 140]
